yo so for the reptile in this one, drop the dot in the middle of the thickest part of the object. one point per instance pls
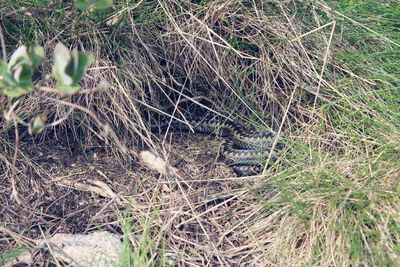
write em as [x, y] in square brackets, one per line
[243, 149]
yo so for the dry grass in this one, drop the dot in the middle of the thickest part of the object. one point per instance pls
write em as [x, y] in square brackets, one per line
[332, 198]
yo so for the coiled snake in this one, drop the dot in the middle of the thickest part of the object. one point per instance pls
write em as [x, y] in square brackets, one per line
[243, 150]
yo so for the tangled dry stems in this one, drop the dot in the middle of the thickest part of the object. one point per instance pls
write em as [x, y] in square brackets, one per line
[249, 61]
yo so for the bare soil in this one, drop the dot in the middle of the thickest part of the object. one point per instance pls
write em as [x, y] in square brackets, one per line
[191, 212]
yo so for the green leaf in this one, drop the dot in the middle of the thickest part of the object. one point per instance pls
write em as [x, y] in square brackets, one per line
[36, 54]
[37, 125]
[62, 58]
[23, 75]
[5, 77]
[93, 4]
[3, 66]
[84, 60]
[69, 67]
[20, 67]
[81, 4]
[18, 57]
[16, 76]
[13, 92]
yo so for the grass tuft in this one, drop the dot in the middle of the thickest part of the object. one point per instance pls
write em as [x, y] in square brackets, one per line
[322, 75]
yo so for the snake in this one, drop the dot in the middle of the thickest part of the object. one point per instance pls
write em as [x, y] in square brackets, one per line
[243, 149]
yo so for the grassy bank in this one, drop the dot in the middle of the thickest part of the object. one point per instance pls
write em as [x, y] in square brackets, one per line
[322, 76]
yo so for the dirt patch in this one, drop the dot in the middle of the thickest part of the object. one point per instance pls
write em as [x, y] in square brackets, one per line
[192, 212]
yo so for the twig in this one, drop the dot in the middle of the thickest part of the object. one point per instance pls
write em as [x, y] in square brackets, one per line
[105, 127]
[312, 31]
[217, 73]
[14, 193]
[3, 43]
[323, 67]
[278, 133]
[60, 120]
[57, 91]
[20, 239]
[359, 24]
[9, 113]
[49, 247]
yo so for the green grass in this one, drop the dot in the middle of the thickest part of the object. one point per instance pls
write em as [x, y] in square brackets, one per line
[142, 252]
[353, 192]
[356, 178]
[375, 57]
[6, 257]
[335, 188]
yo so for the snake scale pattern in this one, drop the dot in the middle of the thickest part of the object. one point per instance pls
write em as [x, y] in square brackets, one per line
[244, 150]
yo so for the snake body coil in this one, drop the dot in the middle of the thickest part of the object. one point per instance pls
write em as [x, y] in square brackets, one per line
[244, 150]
